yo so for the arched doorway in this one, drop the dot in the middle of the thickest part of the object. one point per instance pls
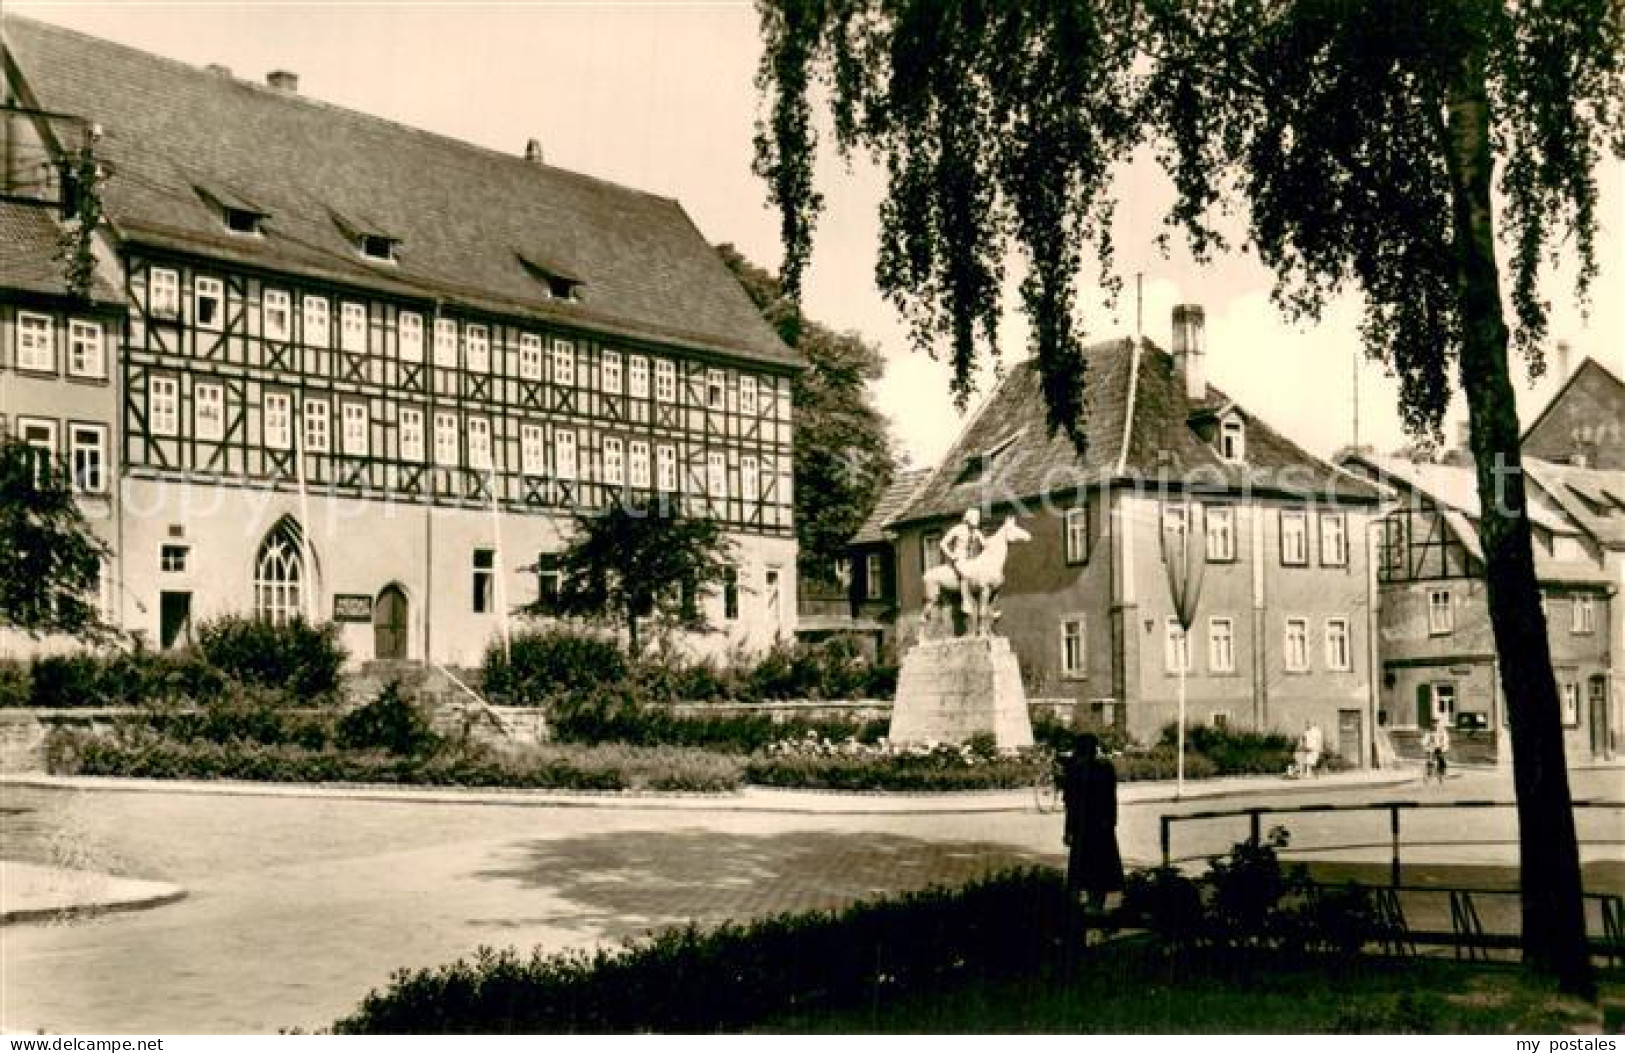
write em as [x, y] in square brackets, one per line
[389, 620]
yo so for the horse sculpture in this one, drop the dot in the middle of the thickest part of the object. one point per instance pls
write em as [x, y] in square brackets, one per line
[983, 576]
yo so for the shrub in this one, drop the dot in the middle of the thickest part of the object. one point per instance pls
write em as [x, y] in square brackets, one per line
[123, 679]
[1235, 752]
[1161, 763]
[248, 715]
[738, 976]
[300, 658]
[389, 722]
[16, 685]
[66, 681]
[822, 765]
[622, 713]
[539, 667]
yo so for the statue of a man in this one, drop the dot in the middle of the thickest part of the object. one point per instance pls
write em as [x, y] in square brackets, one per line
[964, 541]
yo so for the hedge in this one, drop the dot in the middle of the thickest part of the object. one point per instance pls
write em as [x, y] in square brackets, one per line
[734, 977]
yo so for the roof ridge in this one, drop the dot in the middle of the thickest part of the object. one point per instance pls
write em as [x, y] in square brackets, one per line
[320, 103]
[1563, 389]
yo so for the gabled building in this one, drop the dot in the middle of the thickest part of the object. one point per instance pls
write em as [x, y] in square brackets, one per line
[369, 372]
[859, 599]
[1584, 423]
[1436, 645]
[1281, 635]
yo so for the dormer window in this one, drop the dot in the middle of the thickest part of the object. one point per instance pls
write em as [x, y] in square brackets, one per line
[237, 214]
[979, 463]
[560, 283]
[1232, 439]
[377, 247]
[242, 221]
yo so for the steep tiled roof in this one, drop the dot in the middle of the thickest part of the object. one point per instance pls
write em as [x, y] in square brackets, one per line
[28, 247]
[1585, 416]
[1592, 497]
[892, 502]
[1006, 453]
[467, 218]
[1456, 487]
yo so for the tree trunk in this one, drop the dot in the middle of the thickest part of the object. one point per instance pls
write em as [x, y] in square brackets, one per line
[1554, 938]
[634, 644]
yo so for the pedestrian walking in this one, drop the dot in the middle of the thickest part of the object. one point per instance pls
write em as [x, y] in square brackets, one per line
[1436, 745]
[1094, 866]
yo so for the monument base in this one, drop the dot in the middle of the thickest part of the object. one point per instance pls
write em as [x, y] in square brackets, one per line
[951, 689]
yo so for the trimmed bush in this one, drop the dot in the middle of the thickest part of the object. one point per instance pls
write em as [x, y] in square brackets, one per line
[16, 685]
[297, 657]
[909, 770]
[1161, 763]
[539, 667]
[688, 981]
[620, 713]
[133, 679]
[248, 716]
[389, 722]
[1234, 752]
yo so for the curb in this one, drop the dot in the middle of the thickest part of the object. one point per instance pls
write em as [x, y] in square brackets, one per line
[770, 801]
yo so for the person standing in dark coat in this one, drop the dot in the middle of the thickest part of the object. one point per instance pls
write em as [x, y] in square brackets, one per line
[1089, 790]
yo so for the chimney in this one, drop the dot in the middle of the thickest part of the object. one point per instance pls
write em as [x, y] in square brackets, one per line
[533, 151]
[1190, 350]
[1563, 360]
[283, 80]
[218, 70]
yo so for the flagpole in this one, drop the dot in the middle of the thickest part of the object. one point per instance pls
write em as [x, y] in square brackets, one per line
[500, 587]
[306, 553]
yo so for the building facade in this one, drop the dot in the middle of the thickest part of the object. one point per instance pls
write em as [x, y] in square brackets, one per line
[370, 374]
[1279, 554]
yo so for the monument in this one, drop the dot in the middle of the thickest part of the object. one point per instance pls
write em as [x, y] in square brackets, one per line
[954, 686]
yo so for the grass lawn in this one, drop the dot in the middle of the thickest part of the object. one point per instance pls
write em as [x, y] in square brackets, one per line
[1127, 988]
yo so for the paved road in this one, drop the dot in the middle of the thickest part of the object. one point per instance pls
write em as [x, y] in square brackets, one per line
[298, 906]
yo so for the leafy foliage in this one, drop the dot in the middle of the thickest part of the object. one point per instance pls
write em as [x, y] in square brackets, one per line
[83, 177]
[622, 713]
[295, 656]
[843, 457]
[639, 560]
[728, 979]
[540, 666]
[136, 678]
[50, 576]
[390, 722]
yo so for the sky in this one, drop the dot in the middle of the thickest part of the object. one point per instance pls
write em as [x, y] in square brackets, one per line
[660, 96]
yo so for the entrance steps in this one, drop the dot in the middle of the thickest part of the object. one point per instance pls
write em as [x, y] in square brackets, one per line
[456, 709]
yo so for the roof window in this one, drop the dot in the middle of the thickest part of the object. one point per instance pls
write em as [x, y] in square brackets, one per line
[979, 463]
[238, 214]
[560, 282]
[369, 237]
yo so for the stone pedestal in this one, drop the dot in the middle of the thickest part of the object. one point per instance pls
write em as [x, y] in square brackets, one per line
[951, 689]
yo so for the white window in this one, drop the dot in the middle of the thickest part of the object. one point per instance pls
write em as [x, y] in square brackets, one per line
[208, 302]
[445, 439]
[611, 372]
[87, 445]
[532, 450]
[1220, 526]
[1334, 540]
[317, 331]
[318, 426]
[410, 325]
[163, 405]
[445, 342]
[357, 429]
[165, 298]
[750, 478]
[411, 433]
[874, 581]
[666, 468]
[479, 443]
[1232, 439]
[1441, 613]
[1074, 653]
[1294, 538]
[1583, 618]
[747, 396]
[1076, 525]
[614, 462]
[1339, 655]
[1221, 645]
[277, 425]
[564, 363]
[637, 456]
[637, 370]
[41, 436]
[665, 380]
[530, 356]
[36, 343]
[478, 340]
[279, 575]
[278, 314]
[715, 389]
[1571, 703]
[1297, 645]
[353, 327]
[716, 474]
[564, 454]
[208, 411]
[85, 357]
[1176, 648]
[1175, 528]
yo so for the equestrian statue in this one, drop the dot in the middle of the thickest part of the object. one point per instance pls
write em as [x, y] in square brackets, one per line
[974, 571]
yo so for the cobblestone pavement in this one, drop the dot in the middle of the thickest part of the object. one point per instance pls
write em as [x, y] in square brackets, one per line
[296, 907]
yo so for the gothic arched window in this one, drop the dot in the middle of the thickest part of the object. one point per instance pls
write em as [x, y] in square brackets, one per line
[279, 574]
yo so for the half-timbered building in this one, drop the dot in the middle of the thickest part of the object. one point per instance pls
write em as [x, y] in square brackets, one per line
[369, 372]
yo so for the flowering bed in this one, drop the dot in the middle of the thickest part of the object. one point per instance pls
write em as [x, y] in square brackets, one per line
[817, 763]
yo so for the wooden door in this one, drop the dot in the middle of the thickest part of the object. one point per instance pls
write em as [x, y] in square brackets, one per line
[389, 623]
